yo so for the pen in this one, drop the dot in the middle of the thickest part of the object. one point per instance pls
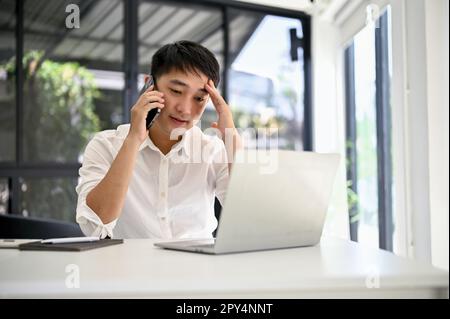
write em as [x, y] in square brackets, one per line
[69, 240]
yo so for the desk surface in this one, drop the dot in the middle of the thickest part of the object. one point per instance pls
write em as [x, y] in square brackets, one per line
[335, 268]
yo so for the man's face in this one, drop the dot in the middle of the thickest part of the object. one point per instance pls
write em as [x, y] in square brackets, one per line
[185, 99]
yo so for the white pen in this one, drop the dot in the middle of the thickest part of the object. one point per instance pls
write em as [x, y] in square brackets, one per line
[69, 240]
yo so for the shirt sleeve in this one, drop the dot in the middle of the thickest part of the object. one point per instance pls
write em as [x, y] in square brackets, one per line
[220, 168]
[96, 162]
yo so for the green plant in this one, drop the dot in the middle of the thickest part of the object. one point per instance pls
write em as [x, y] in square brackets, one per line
[352, 196]
[58, 120]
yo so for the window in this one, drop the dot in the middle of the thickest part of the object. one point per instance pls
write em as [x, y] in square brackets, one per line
[7, 85]
[369, 168]
[266, 84]
[78, 81]
[48, 197]
[4, 195]
[71, 87]
[63, 93]
[161, 23]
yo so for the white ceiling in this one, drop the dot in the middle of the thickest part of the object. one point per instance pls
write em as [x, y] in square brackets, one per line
[331, 10]
[298, 5]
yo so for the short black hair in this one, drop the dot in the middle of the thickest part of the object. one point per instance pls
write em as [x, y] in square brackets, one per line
[185, 56]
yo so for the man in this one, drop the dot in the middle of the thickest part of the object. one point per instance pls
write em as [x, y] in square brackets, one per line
[139, 183]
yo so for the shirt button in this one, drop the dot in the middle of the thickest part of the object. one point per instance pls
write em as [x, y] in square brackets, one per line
[163, 194]
[163, 219]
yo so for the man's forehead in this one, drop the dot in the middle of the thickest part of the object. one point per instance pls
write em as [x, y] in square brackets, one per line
[187, 74]
[188, 79]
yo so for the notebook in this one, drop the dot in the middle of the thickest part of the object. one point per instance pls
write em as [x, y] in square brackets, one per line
[37, 245]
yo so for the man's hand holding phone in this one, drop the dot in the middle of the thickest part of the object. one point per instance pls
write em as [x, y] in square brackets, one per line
[148, 100]
[107, 198]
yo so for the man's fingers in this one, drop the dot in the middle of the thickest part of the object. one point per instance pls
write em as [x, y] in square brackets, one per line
[153, 93]
[156, 104]
[211, 88]
[215, 95]
[152, 96]
[150, 88]
[153, 105]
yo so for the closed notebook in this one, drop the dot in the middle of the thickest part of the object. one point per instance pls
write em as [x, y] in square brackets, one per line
[37, 245]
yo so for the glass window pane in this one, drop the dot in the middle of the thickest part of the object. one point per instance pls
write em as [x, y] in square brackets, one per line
[73, 80]
[266, 86]
[53, 198]
[4, 196]
[7, 84]
[366, 141]
[163, 23]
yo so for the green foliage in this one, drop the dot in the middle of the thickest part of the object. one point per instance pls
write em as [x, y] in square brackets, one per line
[367, 167]
[59, 120]
[352, 201]
[352, 197]
[252, 120]
[367, 149]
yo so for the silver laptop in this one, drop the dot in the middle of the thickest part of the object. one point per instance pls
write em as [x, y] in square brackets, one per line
[275, 199]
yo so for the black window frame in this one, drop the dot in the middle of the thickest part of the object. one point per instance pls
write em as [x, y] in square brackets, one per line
[383, 134]
[15, 170]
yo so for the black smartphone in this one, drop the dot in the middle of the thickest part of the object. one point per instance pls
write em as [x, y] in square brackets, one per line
[153, 113]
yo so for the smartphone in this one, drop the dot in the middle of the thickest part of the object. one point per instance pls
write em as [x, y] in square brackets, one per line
[153, 113]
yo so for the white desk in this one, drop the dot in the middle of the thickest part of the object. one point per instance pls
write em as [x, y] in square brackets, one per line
[333, 269]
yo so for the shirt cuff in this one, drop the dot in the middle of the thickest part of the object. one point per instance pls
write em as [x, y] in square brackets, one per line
[91, 224]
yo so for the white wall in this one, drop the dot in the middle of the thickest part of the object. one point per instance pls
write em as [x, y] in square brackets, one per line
[437, 25]
[417, 128]
[329, 117]
[299, 5]
[351, 21]
[420, 128]
[328, 114]
[402, 213]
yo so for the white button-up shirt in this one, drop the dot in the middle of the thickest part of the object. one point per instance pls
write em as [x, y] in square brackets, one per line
[169, 196]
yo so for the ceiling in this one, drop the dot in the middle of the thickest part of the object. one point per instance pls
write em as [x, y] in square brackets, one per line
[98, 43]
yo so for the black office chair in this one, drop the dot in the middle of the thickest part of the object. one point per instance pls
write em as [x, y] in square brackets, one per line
[16, 226]
[217, 211]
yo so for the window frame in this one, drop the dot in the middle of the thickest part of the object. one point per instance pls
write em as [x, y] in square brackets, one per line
[383, 134]
[14, 170]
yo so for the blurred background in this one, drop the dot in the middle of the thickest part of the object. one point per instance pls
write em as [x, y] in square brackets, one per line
[79, 81]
